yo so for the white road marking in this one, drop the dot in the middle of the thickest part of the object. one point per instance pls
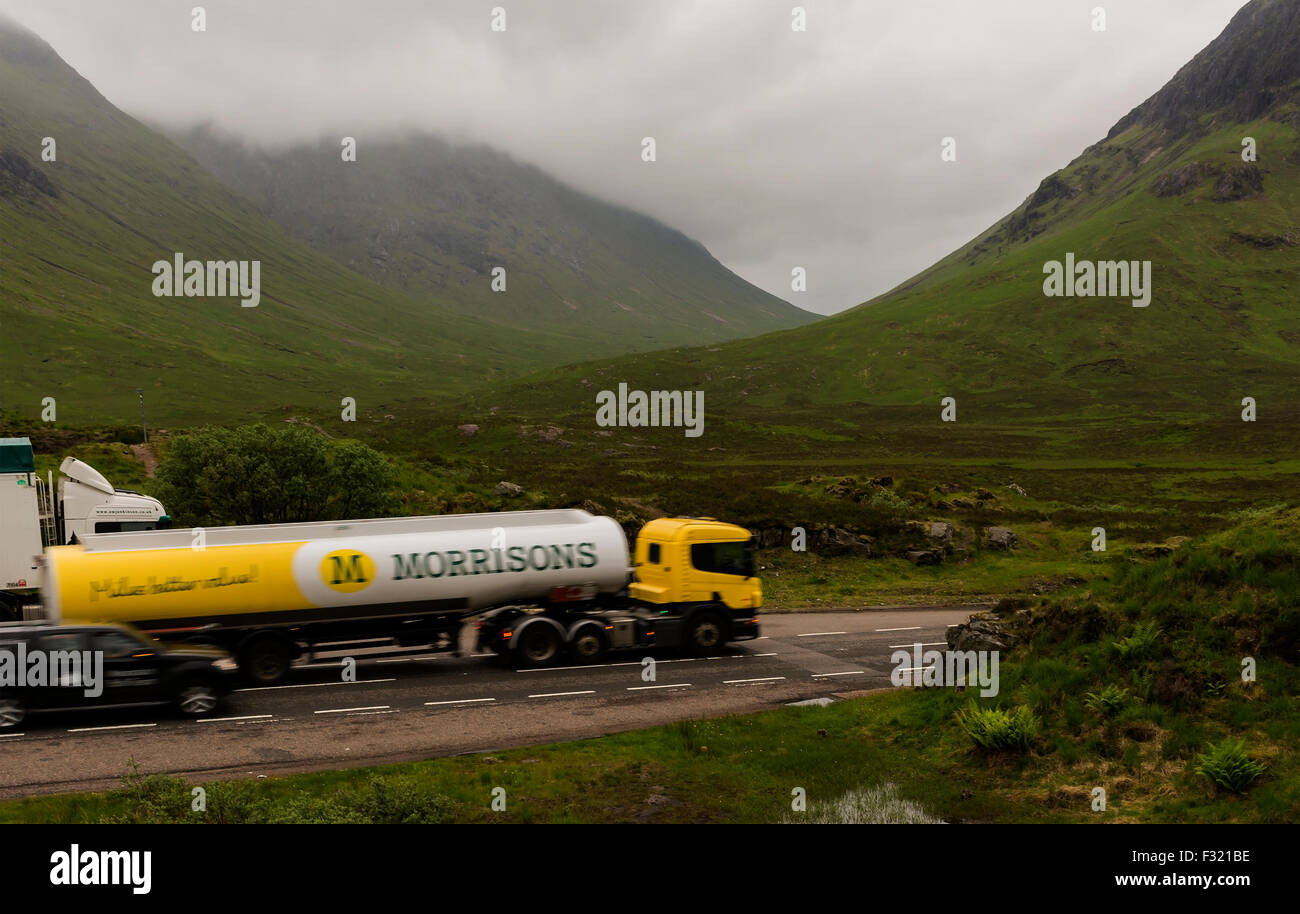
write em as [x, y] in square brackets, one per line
[815, 634]
[118, 727]
[11, 735]
[346, 710]
[926, 644]
[764, 679]
[459, 701]
[905, 628]
[561, 694]
[670, 685]
[589, 666]
[312, 685]
[218, 720]
[845, 673]
[405, 659]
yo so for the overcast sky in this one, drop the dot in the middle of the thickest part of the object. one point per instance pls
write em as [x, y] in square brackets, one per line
[776, 148]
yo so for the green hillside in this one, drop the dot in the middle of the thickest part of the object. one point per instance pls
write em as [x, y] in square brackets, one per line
[435, 219]
[78, 318]
[1048, 376]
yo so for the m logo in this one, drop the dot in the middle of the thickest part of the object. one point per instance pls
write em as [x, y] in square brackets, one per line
[347, 571]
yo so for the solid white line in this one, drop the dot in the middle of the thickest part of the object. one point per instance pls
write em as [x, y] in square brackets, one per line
[118, 727]
[345, 710]
[217, 720]
[764, 679]
[906, 628]
[773, 654]
[312, 685]
[11, 735]
[926, 644]
[670, 685]
[405, 659]
[847, 673]
[815, 634]
[561, 694]
[459, 701]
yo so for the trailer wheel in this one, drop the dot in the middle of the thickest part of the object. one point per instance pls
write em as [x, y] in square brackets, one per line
[707, 633]
[588, 644]
[12, 712]
[265, 660]
[539, 645]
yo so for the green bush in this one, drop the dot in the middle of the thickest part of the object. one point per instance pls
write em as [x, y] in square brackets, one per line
[1227, 764]
[1139, 645]
[997, 729]
[1109, 700]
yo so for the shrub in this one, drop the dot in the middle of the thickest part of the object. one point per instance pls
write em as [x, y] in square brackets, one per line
[1110, 699]
[1227, 764]
[1139, 645]
[997, 729]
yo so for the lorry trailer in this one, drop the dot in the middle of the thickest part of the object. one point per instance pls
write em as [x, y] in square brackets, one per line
[539, 585]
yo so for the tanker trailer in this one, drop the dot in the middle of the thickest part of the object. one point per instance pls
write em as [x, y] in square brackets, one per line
[541, 581]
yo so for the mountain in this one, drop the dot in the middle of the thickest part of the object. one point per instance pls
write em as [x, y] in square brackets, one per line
[79, 235]
[1055, 376]
[434, 219]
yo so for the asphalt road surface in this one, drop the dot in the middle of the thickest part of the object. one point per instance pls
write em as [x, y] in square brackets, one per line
[425, 705]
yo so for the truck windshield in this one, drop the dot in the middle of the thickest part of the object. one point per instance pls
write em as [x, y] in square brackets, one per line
[724, 558]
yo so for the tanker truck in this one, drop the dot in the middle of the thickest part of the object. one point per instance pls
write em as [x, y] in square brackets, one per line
[34, 514]
[539, 585]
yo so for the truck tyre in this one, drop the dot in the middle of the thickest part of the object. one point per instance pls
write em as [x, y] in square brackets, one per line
[706, 634]
[539, 645]
[12, 712]
[265, 660]
[588, 644]
[197, 697]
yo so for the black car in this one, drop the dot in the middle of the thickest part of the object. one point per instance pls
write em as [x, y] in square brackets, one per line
[70, 667]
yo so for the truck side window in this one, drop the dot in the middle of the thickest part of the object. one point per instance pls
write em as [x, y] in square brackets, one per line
[654, 554]
[724, 558]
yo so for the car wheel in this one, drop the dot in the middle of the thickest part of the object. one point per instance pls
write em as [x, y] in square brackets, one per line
[12, 712]
[706, 634]
[197, 698]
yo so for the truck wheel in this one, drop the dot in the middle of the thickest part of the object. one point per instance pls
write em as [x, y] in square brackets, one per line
[12, 712]
[265, 661]
[540, 645]
[707, 633]
[588, 645]
[197, 698]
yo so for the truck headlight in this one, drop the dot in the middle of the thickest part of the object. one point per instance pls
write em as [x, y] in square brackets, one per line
[225, 664]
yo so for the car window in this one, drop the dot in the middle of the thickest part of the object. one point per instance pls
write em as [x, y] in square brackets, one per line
[115, 644]
[654, 554]
[63, 641]
[724, 558]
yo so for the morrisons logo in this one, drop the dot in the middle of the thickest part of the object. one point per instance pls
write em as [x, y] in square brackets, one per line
[347, 571]
[493, 561]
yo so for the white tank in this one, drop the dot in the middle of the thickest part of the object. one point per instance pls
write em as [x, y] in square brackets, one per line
[467, 561]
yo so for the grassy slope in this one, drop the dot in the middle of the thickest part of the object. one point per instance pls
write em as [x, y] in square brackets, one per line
[434, 219]
[82, 325]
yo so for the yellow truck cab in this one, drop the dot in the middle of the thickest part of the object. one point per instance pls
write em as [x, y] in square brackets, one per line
[699, 568]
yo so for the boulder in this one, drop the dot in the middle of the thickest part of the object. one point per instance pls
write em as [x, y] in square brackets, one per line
[925, 557]
[468, 430]
[941, 531]
[509, 489]
[1000, 538]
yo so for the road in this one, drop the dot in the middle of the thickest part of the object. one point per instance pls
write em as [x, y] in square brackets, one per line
[422, 706]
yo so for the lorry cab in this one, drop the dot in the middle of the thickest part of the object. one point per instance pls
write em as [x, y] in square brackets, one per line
[696, 560]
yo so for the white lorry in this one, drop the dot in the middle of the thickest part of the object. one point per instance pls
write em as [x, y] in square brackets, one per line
[35, 514]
